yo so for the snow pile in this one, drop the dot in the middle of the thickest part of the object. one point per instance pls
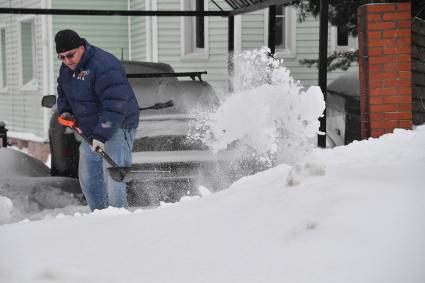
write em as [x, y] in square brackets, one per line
[34, 198]
[269, 114]
[28, 192]
[6, 207]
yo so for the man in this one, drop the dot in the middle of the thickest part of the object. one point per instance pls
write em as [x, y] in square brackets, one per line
[93, 89]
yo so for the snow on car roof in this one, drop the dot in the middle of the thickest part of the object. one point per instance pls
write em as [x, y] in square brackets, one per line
[346, 85]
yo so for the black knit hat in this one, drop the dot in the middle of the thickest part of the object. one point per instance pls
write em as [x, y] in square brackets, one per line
[67, 40]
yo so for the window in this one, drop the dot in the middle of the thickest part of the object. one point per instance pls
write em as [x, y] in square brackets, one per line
[199, 26]
[341, 36]
[3, 58]
[285, 31]
[195, 31]
[28, 53]
[341, 40]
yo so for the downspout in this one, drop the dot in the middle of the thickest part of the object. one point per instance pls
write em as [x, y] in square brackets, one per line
[155, 48]
[129, 30]
[45, 66]
[148, 36]
[50, 56]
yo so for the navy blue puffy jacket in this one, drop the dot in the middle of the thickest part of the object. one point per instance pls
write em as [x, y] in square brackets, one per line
[98, 94]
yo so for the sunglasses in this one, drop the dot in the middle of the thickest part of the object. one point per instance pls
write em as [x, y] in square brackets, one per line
[70, 55]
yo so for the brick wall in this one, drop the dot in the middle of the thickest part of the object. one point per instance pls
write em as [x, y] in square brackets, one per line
[385, 68]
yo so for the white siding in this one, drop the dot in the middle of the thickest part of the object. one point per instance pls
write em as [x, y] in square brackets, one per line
[21, 109]
[138, 36]
[169, 44]
[252, 33]
[107, 32]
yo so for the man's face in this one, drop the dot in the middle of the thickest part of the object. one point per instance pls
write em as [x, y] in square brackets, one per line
[72, 57]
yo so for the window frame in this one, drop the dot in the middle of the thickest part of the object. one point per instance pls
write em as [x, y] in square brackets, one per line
[290, 50]
[32, 84]
[188, 49]
[352, 42]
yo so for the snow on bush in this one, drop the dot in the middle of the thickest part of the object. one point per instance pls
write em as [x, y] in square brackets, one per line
[269, 115]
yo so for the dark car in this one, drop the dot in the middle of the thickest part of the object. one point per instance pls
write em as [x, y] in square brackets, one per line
[161, 143]
[343, 110]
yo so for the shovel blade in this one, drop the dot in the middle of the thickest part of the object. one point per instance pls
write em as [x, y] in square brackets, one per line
[118, 173]
[128, 174]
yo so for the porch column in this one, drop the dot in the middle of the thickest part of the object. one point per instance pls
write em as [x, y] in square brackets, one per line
[384, 32]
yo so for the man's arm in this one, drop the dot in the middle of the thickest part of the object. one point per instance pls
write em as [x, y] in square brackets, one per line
[62, 103]
[114, 93]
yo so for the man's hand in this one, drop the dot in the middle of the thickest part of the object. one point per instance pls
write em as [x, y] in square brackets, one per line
[67, 116]
[98, 146]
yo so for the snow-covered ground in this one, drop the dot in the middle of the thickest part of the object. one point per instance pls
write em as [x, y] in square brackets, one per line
[356, 215]
[349, 214]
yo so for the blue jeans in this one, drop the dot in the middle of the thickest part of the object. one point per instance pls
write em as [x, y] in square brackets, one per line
[98, 187]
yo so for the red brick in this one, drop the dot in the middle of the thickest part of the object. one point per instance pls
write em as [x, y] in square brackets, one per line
[397, 50]
[404, 24]
[405, 90]
[405, 107]
[375, 84]
[382, 108]
[407, 49]
[396, 16]
[397, 99]
[404, 40]
[405, 75]
[397, 83]
[375, 51]
[383, 76]
[376, 116]
[376, 100]
[374, 34]
[403, 58]
[405, 124]
[383, 124]
[373, 8]
[381, 42]
[382, 91]
[398, 116]
[381, 26]
[404, 6]
[383, 59]
[397, 33]
[374, 17]
[397, 67]
[376, 133]
[376, 68]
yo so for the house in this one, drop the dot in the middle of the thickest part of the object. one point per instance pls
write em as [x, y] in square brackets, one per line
[29, 66]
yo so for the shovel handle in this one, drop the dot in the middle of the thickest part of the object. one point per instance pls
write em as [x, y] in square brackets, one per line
[72, 124]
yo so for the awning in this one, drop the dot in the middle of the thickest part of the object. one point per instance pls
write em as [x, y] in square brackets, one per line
[245, 6]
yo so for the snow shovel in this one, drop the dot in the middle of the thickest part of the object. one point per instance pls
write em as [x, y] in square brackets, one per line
[116, 172]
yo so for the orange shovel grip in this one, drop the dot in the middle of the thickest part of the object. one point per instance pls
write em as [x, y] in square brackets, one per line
[66, 123]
